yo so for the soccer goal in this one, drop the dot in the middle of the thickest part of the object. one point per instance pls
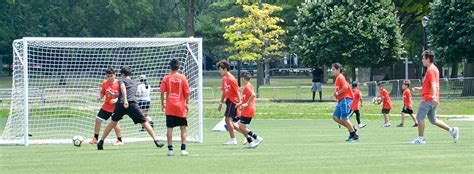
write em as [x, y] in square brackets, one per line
[56, 82]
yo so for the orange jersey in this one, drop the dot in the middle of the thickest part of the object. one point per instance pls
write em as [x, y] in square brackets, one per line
[177, 89]
[432, 76]
[407, 98]
[248, 111]
[387, 102]
[341, 83]
[230, 88]
[357, 97]
[110, 91]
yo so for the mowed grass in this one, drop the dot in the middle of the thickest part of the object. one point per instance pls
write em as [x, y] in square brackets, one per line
[290, 146]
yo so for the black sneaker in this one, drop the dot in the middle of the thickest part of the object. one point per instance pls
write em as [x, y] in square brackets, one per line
[100, 145]
[158, 144]
[349, 138]
[142, 130]
[400, 125]
[355, 137]
[415, 125]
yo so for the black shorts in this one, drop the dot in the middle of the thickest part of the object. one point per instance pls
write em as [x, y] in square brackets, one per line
[173, 121]
[104, 115]
[144, 104]
[245, 120]
[133, 111]
[385, 111]
[231, 111]
[406, 110]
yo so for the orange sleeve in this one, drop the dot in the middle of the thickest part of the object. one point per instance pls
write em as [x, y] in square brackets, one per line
[163, 85]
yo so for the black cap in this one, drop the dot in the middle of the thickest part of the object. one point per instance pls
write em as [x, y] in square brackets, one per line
[354, 84]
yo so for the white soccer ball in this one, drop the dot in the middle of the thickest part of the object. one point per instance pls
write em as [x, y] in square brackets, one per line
[377, 100]
[78, 140]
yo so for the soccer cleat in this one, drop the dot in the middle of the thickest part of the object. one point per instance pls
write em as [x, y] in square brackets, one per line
[362, 125]
[418, 140]
[93, 141]
[100, 145]
[184, 153]
[455, 134]
[117, 143]
[258, 141]
[231, 142]
[387, 125]
[354, 138]
[415, 125]
[158, 144]
[251, 145]
[170, 153]
[400, 125]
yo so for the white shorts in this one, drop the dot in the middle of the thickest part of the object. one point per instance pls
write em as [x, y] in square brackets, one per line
[316, 87]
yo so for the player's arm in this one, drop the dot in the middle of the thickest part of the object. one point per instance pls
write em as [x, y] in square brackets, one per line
[344, 89]
[360, 99]
[417, 89]
[249, 100]
[101, 94]
[124, 95]
[434, 95]
[162, 98]
[221, 102]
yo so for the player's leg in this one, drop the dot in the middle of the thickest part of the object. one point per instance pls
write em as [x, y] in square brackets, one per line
[320, 90]
[402, 119]
[230, 116]
[118, 134]
[107, 130]
[420, 117]
[136, 115]
[184, 134]
[454, 131]
[169, 138]
[98, 123]
[313, 89]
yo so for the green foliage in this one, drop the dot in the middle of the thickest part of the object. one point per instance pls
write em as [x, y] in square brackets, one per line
[255, 36]
[451, 30]
[362, 34]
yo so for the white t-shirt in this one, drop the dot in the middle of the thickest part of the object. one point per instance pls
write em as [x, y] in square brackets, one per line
[143, 93]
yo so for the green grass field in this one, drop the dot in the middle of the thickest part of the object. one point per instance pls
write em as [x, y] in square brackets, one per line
[290, 146]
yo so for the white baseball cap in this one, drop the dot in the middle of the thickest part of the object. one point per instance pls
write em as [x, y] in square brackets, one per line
[142, 77]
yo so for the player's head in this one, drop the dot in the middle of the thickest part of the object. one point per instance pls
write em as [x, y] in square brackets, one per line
[110, 74]
[245, 77]
[125, 71]
[223, 66]
[428, 57]
[406, 84]
[174, 65]
[336, 69]
[380, 84]
[355, 85]
[142, 78]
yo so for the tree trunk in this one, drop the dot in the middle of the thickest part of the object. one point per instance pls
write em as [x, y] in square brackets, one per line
[468, 84]
[354, 75]
[267, 72]
[372, 87]
[189, 29]
[440, 69]
[454, 70]
[260, 75]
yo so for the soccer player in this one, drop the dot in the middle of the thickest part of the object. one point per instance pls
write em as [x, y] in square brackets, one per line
[127, 104]
[386, 106]
[355, 104]
[430, 100]
[231, 97]
[144, 99]
[316, 85]
[344, 97]
[176, 87]
[247, 111]
[407, 107]
[110, 90]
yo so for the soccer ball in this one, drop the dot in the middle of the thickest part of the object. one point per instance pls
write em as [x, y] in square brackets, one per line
[377, 100]
[78, 140]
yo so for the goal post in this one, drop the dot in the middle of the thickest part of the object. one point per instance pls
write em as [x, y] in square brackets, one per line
[56, 81]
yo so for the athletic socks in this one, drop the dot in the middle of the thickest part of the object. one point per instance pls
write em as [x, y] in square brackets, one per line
[249, 139]
[158, 144]
[253, 135]
[96, 136]
[170, 147]
[119, 138]
[183, 146]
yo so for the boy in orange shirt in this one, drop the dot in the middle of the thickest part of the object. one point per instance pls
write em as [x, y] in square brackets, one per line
[230, 97]
[407, 107]
[355, 104]
[110, 90]
[247, 111]
[176, 87]
[386, 106]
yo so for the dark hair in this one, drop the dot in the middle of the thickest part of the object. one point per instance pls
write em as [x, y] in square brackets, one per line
[125, 70]
[380, 83]
[223, 64]
[144, 81]
[338, 66]
[407, 82]
[354, 84]
[429, 54]
[174, 64]
[246, 76]
[109, 70]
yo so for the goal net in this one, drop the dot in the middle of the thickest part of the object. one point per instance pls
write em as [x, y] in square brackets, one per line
[56, 82]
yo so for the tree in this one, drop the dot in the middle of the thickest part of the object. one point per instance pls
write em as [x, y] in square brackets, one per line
[450, 29]
[359, 34]
[255, 37]
[189, 30]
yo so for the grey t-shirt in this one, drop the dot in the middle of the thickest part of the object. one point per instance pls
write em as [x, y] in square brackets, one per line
[131, 88]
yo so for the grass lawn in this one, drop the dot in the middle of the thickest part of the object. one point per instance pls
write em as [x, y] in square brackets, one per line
[301, 146]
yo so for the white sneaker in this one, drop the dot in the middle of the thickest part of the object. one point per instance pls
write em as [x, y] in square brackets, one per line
[117, 143]
[231, 142]
[258, 140]
[362, 125]
[387, 125]
[251, 145]
[170, 153]
[455, 134]
[184, 153]
[418, 140]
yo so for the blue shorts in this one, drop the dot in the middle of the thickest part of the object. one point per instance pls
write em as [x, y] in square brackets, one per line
[343, 109]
